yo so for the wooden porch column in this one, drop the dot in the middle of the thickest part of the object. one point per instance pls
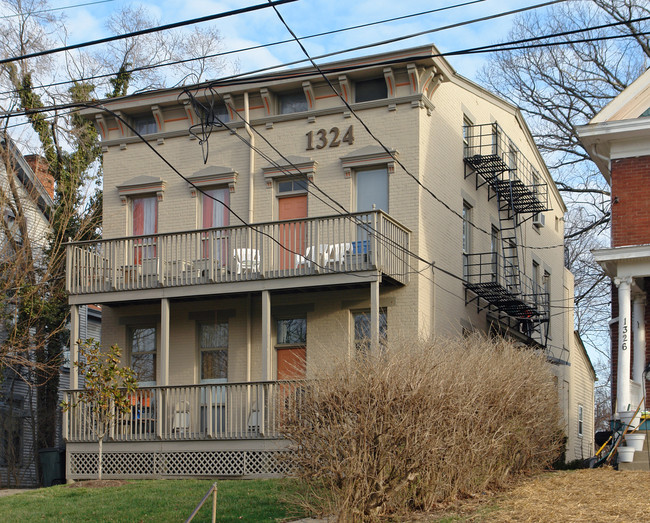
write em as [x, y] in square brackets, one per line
[74, 346]
[267, 349]
[374, 316]
[164, 342]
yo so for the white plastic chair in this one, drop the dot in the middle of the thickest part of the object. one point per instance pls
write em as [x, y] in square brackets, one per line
[339, 251]
[247, 260]
[181, 420]
[309, 257]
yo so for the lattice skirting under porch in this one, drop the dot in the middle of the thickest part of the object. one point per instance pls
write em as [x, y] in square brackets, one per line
[158, 463]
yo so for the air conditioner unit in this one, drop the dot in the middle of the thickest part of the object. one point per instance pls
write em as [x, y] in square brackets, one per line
[539, 220]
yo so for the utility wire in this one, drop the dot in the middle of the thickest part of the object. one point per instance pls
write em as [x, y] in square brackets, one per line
[254, 47]
[146, 31]
[29, 13]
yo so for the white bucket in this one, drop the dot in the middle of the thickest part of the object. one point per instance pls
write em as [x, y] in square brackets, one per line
[626, 417]
[635, 441]
[626, 454]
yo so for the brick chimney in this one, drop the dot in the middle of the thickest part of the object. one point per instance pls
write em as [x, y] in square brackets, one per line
[41, 169]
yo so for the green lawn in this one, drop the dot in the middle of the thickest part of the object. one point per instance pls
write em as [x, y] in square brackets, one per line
[159, 501]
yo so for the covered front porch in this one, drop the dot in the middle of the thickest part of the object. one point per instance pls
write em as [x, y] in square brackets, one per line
[231, 429]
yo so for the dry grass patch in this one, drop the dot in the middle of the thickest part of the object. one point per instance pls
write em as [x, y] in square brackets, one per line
[594, 495]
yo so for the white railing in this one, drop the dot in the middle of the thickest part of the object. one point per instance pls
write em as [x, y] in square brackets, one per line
[357, 242]
[192, 412]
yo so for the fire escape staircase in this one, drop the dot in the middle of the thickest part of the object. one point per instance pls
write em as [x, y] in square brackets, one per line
[495, 279]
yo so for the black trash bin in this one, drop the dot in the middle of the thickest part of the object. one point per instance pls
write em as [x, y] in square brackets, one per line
[52, 462]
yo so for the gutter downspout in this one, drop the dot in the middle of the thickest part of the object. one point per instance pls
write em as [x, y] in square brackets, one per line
[607, 160]
[251, 219]
[251, 159]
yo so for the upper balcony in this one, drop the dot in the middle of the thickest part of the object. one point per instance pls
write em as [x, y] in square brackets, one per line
[501, 286]
[497, 161]
[193, 262]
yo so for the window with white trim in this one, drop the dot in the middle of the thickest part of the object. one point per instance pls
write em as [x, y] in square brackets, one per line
[372, 189]
[143, 345]
[580, 420]
[292, 331]
[213, 352]
[362, 334]
[467, 236]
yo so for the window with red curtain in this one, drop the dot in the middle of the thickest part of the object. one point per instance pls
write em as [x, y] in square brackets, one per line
[144, 221]
[216, 213]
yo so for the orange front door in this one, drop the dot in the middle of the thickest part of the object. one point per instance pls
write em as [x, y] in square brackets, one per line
[292, 235]
[292, 363]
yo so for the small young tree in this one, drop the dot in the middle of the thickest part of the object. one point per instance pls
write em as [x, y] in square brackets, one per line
[107, 391]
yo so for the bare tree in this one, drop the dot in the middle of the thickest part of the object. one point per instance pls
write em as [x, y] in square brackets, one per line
[36, 311]
[558, 88]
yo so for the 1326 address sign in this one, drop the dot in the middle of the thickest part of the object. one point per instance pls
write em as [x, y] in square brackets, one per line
[322, 138]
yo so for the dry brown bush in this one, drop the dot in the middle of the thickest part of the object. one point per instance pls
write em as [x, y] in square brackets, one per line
[421, 424]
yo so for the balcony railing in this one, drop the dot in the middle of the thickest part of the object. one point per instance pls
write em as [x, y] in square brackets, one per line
[192, 412]
[331, 244]
[492, 154]
[502, 284]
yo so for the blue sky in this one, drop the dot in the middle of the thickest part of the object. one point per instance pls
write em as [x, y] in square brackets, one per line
[313, 16]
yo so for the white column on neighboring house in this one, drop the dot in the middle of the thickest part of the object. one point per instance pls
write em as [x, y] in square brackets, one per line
[267, 362]
[164, 342]
[624, 322]
[638, 332]
[374, 316]
[74, 346]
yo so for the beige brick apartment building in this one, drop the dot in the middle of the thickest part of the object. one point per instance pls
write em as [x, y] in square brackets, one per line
[293, 239]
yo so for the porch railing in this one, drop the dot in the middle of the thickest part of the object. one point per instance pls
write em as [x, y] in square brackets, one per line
[192, 412]
[331, 244]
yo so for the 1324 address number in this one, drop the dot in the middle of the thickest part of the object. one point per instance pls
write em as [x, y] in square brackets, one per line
[319, 139]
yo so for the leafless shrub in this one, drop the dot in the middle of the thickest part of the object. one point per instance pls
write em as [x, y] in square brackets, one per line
[421, 424]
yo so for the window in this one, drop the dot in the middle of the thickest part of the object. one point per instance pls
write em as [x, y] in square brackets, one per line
[143, 345]
[580, 420]
[10, 450]
[292, 102]
[213, 348]
[512, 156]
[362, 337]
[145, 124]
[215, 211]
[296, 185]
[467, 136]
[467, 237]
[292, 331]
[367, 90]
[494, 249]
[144, 221]
[217, 116]
[372, 189]
[144, 216]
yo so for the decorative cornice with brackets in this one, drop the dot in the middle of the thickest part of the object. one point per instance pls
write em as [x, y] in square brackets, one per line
[141, 185]
[309, 94]
[295, 166]
[368, 157]
[211, 176]
[158, 117]
[389, 76]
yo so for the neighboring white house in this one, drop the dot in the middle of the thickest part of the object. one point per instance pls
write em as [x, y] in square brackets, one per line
[18, 452]
[271, 259]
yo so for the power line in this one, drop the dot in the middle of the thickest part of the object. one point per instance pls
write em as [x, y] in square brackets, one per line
[29, 13]
[254, 47]
[146, 31]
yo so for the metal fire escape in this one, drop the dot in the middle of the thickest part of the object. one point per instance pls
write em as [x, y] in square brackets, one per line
[495, 280]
